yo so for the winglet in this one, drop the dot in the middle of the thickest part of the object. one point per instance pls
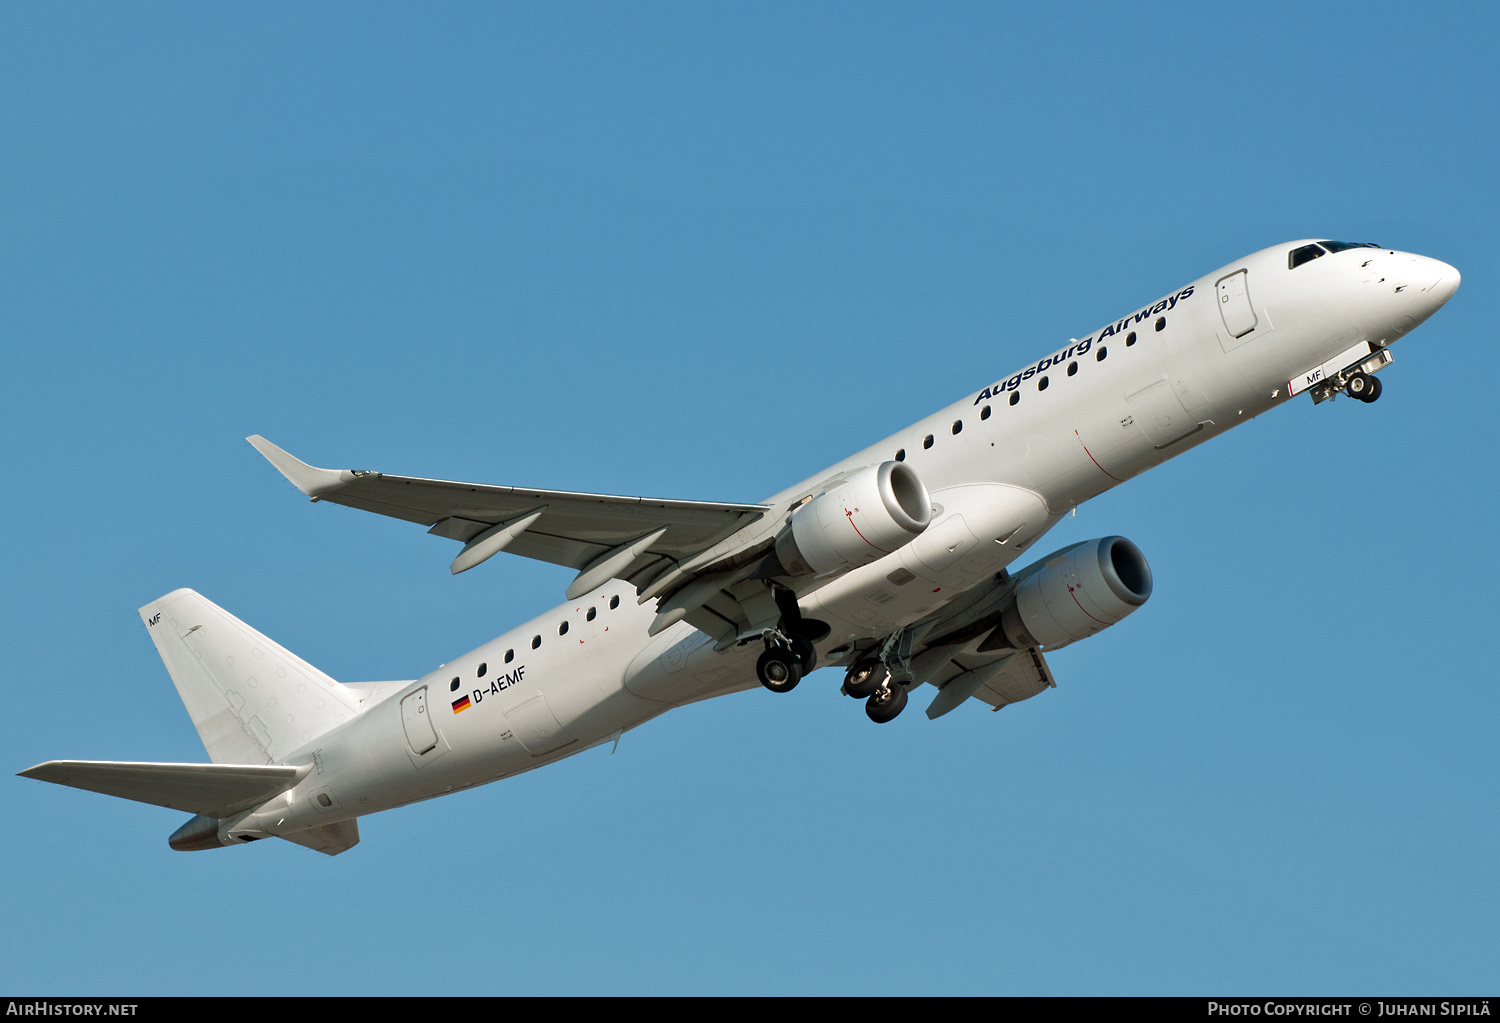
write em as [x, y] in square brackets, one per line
[309, 479]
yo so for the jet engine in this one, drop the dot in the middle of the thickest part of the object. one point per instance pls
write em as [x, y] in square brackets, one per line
[876, 510]
[1075, 593]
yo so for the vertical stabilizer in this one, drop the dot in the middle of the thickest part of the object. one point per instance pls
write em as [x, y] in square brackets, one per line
[252, 700]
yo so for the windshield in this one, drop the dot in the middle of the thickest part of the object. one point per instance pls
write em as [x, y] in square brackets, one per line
[1341, 246]
[1303, 255]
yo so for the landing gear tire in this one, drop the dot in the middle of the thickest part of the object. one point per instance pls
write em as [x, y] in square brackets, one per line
[886, 702]
[778, 669]
[1361, 386]
[863, 678]
[1374, 390]
[806, 654]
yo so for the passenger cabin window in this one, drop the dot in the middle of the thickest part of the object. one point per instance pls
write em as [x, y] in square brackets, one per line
[536, 641]
[614, 602]
[590, 616]
[1306, 254]
[1015, 396]
[927, 441]
[1130, 339]
[1161, 324]
[1041, 385]
[901, 454]
[984, 413]
[452, 685]
[510, 655]
[1072, 368]
[482, 669]
[1101, 354]
[562, 630]
[958, 426]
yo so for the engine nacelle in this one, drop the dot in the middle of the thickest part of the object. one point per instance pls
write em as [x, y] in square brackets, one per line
[877, 510]
[1076, 593]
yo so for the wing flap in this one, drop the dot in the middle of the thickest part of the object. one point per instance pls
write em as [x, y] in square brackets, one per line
[1020, 678]
[214, 790]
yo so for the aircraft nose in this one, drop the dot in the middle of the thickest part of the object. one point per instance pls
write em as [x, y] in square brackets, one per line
[1445, 283]
[1415, 287]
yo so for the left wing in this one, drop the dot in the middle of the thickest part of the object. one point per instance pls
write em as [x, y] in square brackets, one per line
[963, 651]
[602, 536]
[1014, 676]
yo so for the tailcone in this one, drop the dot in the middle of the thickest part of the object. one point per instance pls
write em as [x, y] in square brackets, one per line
[201, 832]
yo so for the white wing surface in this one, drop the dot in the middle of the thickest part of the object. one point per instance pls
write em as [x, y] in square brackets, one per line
[602, 536]
[963, 651]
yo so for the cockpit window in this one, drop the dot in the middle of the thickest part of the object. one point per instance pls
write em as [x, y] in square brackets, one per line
[1303, 255]
[1341, 246]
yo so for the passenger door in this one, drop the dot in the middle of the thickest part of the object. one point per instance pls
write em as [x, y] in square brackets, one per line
[417, 722]
[1234, 304]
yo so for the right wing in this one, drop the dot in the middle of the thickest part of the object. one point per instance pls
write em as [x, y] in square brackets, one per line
[658, 545]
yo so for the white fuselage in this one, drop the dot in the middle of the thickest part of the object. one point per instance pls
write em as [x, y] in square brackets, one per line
[1005, 462]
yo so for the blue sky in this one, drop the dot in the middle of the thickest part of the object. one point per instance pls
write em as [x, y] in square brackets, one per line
[701, 251]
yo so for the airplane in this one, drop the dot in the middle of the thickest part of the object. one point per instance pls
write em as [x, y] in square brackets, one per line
[893, 564]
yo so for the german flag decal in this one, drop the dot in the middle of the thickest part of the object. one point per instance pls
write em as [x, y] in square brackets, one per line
[460, 704]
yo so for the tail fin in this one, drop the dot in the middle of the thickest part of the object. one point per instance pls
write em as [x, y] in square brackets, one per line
[252, 700]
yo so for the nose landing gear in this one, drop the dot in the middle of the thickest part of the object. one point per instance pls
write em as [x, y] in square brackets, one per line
[1363, 386]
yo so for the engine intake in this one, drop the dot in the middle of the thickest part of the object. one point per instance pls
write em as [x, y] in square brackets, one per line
[1077, 592]
[877, 510]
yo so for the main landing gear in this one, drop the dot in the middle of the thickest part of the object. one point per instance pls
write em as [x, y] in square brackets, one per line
[789, 653]
[871, 681]
[1363, 386]
[785, 661]
[787, 658]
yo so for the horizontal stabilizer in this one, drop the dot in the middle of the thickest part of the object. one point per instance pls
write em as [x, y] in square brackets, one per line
[214, 790]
